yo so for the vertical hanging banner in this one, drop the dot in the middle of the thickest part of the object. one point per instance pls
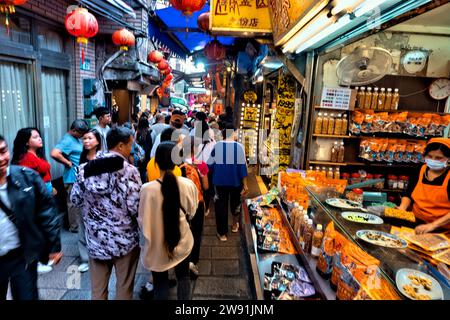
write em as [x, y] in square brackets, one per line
[289, 16]
[240, 17]
[284, 119]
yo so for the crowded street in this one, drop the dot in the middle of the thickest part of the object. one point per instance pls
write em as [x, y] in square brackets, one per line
[240, 150]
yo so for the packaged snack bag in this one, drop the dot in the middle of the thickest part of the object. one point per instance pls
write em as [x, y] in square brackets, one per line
[356, 122]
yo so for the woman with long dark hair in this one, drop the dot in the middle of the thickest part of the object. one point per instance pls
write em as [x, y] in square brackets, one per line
[165, 209]
[28, 151]
[144, 139]
[92, 143]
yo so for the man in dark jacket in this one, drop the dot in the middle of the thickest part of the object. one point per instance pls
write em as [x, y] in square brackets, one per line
[29, 228]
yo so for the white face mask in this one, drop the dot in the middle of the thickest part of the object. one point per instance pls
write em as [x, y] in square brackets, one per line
[435, 164]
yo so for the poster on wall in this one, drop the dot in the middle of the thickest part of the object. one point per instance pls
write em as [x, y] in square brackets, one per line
[286, 15]
[240, 17]
[284, 119]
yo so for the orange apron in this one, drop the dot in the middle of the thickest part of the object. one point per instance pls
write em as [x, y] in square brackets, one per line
[430, 202]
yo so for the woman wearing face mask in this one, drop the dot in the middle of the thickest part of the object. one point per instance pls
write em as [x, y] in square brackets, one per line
[429, 192]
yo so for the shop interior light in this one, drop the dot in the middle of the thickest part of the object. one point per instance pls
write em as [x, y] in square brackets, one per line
[342, 22]
[319, 23]
[368, 6]
[345, 6]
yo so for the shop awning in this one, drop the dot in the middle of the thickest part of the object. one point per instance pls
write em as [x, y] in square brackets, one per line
[177, 24]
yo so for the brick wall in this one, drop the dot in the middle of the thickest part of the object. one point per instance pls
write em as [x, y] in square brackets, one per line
[56, 10]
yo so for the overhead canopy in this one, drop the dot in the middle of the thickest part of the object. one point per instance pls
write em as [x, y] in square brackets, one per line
[177, 24]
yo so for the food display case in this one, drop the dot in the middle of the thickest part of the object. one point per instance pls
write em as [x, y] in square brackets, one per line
[353, 268]
[393, 261]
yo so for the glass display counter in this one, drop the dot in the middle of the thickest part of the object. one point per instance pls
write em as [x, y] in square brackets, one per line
[391, 260]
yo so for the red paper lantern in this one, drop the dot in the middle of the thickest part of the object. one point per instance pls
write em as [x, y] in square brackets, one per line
[163, 65]
[123, 38]
[215, 51]
[155, 56]
[166, 71]
[169, 77]
[187, 7]
[159, 92]
[8, 7]
[203, 21]
[83, 25]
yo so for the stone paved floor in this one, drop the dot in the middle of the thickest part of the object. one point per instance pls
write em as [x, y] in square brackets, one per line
[224, 270]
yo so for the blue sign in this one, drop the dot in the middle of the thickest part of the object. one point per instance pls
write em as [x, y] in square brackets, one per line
[86, 65]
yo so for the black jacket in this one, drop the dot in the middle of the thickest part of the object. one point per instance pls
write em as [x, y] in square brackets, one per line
[35, 214]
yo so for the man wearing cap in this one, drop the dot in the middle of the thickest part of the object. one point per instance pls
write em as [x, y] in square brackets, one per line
[177, 122]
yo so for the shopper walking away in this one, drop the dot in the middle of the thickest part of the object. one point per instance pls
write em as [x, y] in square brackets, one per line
[107, 189]
[104, 120]
[166, 206]
[159, 126]
[28, 152]
[144, 139]
[68, 152]
[196, 171]
[229, 170]
[29, 228]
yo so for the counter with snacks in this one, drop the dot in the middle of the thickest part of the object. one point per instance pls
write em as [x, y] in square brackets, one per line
[415, 266]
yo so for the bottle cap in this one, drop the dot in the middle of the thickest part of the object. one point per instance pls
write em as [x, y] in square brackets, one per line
[320, 114]
[389, 89]
[396, 90]
[383, 89]
[319, 227]
[369, 89]
[376, 89]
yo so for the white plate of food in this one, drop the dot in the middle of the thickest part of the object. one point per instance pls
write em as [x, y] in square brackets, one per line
[360, 217]
[343, 203]
[381, 239]
[417, 285]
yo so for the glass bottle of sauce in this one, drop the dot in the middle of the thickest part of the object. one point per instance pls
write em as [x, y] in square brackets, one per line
[388, 103]
[338, 125]
[318, 124]
[368, 98]
[337, 173]
[361, 97]
[307, 236]
[324, 171]
[344, 125]
[341, 153]
[331, 124]
[374, 104]
[381, 99]
[357, 93]
[317, 238]
[325, 121]
[301, 228]
[395, 100]
[334, 152]
[330, 174]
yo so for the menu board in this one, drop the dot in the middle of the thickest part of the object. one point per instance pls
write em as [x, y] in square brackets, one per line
[338, 98]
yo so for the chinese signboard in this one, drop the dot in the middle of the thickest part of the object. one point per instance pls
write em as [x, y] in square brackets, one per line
[239, 16]
[286, 15]
[284, 119]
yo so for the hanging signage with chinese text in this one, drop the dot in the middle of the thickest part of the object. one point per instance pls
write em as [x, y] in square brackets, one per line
[288, 16]
[240, 17]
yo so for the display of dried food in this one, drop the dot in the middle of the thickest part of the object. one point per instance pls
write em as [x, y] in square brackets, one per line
[443, 256]
[399, 214]
[408, 123]
[429, 241]
[392, 150]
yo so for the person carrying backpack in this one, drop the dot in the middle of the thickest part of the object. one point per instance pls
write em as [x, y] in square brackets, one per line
[196, 171]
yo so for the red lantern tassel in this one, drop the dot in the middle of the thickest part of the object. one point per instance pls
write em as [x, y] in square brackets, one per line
[82, 55]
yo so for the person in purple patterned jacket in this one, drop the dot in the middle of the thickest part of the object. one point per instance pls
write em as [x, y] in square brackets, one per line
[108, 190]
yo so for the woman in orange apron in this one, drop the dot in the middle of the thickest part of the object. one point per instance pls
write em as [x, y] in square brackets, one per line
[430, 195]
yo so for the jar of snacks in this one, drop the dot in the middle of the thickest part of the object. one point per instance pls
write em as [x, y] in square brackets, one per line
[403, 182]
[369, 176]
[392, 182]
[355, 178]
[355, 195]
[345, 176]
[379, 185]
